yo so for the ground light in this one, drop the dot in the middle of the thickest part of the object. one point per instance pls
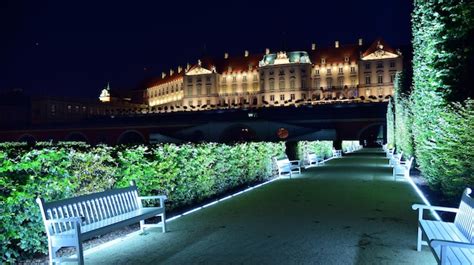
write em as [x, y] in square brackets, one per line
[422, 196]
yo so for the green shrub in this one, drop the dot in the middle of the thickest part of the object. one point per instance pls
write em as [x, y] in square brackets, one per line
[186, 173]
[320, 148]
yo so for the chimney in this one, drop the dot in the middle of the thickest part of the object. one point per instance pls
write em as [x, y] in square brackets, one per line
[226, 55]
[246, 53]
[360, 42]
[163, 75]
[336, 44]
[267, 51]
[171, 72]
[187, 66]
[180, 69]
[313, 46]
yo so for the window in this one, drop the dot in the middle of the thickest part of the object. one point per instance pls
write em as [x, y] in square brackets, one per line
[329, 82]
[234, 78]
[328, 71]
[255, 77]
[198, 88]
[208, 89]
[190, 80]
[346, 59]
[244, 78]
[281, 83]
[282, 97]
[379, 64]
[190, 103]
[244, 87]
[224, 79]
[392, 64]
[367, 66]
[272, 97]
[282, 72]
[392, 78]
[292, 96]
[380, 79]
[255, 86]
[234, 88]
[340, 82]
[353, 82]
[341, 70]
[316, 72]
[199, 102]
[317, 83]
[367, 92]
[208, 102]
[303, 84]
[208, 79]
[292, 70]
[323, 60]
[272, 84]
[77, 108]
[199, 79]
[271, 72]
[353, 69]
[190, 90]
[292, 82]
[367, 79]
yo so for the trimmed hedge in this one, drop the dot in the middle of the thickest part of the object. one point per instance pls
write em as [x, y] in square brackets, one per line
[187, 173]
[320, 148]
[441, 101]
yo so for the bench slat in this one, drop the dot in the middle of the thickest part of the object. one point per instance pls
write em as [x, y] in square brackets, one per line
[448, 231]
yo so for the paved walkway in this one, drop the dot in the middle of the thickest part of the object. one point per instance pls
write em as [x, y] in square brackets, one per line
[349, 211]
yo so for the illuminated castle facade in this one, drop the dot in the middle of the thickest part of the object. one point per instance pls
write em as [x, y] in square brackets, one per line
[341, 72]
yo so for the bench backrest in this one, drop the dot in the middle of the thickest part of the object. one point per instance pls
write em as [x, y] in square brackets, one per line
[92, 207]
[282, 163]
[409, 162]
[464, 220]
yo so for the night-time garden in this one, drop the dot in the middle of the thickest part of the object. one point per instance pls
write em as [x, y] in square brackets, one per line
[339, 201]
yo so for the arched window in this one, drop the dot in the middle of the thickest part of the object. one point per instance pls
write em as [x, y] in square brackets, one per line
[272, 83]
[292, 82]
[281, 83]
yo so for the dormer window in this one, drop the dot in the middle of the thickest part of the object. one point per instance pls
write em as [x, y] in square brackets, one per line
[346, 59]
[250, 67]
[229, 69]
[282, 72]
[323, 60]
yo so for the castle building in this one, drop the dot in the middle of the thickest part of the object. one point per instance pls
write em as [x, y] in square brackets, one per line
[341, 72]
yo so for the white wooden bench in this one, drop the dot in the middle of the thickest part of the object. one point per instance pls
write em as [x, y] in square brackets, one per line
[288, 167]
[312, 160]
[395, 159]
[451, 243]
[389, 152]
[336, 153]
[402, 168]
[71, 221]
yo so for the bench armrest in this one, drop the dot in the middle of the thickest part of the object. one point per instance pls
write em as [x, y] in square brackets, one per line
[436, 208]
[439, 242]
[161, 197]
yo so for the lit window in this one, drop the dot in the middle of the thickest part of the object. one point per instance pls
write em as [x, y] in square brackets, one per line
[282, 97]
[392, 78]
[272, 97]
[281, 83]
[367, 79]
[317, 83]
[316, 72]
[244, 78]
[328, 71]
[208, 89]
[329, 82]
[272, 84]
[255, 77]
[208, 102]
[353, 82]
[340, 82]
[379, 64]
[292, 82]
[353, 69]
[190, 79]
[367, 66]
[224, 79]
[292, 96]
[341, 70]
[282, 72]
[380, 79]
[234, 78]
[199, 102]
[367, 92]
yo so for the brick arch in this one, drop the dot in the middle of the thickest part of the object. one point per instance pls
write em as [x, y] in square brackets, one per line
[131, 136]
[77, 137]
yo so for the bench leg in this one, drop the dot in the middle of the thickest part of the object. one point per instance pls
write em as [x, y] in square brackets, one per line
[52, 253]
[418, 243]
[80, 254]
[142, 226]
[163, 221]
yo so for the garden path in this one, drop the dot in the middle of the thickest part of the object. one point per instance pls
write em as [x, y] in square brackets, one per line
[349, 211]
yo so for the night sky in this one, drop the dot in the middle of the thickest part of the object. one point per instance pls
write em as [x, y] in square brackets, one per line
[73, 48]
